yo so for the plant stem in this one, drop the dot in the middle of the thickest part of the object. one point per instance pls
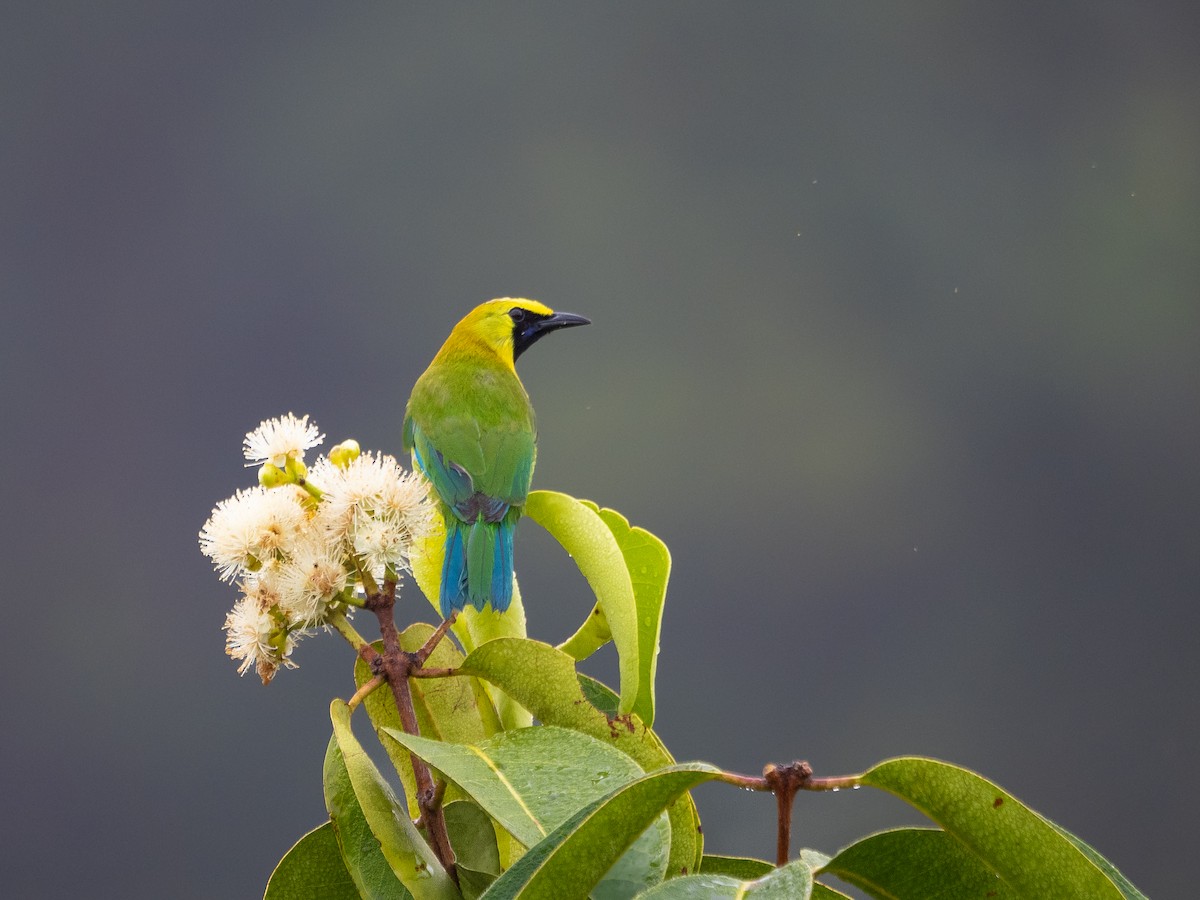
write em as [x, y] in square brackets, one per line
[363, 692]
[442, 672]
[313, 491]
[397, 667]
[434, 639]
[439, 793]
[784, 782]
[339, 623]
[368, 580]
[832, 783]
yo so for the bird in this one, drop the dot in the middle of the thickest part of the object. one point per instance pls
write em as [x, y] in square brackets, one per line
[470, 428]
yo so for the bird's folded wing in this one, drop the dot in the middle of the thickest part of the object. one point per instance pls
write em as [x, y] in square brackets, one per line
[489, 490]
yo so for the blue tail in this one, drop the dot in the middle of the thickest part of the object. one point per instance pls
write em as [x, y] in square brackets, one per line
[478, 565]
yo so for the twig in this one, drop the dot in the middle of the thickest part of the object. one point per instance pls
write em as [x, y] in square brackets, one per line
[439, 793]
[784, 782]
[363, 692]
[397, 667]
[339, 623]
[434, 639]
[436, 672]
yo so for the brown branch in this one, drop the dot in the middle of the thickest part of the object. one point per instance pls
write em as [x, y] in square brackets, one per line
[434, 639]
[832, 783]
[436, 672]
[439, 794]
[371, 657]
[784, 782]
[397, 667]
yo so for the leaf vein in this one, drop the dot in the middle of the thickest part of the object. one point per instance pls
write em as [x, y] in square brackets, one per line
[508, 787]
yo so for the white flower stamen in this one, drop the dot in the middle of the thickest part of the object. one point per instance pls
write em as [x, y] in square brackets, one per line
[252, 528]
[374, 506]
[310, 581]
[296, 548]
[275, 441]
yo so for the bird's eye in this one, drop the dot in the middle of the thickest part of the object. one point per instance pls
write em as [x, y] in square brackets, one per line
[518, 314]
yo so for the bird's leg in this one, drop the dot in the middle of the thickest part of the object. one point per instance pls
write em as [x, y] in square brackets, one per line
[397, 667]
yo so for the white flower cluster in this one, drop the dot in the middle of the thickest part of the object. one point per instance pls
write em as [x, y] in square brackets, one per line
[301, 548]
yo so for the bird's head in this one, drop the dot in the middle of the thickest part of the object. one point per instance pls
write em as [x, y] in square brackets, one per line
[509, 326]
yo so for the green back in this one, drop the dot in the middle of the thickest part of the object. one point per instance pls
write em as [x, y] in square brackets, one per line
[476, 415]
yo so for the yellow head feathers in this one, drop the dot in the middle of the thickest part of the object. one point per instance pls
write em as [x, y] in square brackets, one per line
[506, 327]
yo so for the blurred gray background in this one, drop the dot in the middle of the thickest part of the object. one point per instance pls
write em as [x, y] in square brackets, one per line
[896, 344]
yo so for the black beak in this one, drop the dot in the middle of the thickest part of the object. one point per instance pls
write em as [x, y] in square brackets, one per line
[535, 326]
[563, 320]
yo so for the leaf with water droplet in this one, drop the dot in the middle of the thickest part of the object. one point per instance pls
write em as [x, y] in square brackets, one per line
[917, 864]
[1029, 853]
[532, 780]
[583, 534]
[543, 680]
[570, 860]
[628, 569]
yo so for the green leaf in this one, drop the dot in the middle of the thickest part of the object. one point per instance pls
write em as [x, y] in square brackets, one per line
[361, 854]
[473, 627]
[598, 694]
[742, 868]
[407, 854]
[649, 565]
[825, 892]
[586, 536]
[699, 887]
[544, 681]
[593, 634]
[815, 859]
[532, 780]
[456, 708]
[790, 882]
[446, 708]
[1026, 851]
[473, 839]
[312, 870]
[917, 864]
[569, 861]
[1123, 884]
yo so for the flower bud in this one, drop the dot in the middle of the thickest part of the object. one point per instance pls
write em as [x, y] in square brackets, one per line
[344, 453]
[278, 641]
[270, 476]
